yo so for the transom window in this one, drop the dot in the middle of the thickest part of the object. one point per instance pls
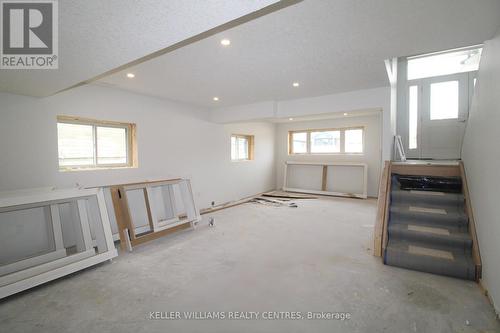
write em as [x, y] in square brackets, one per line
[242, 147]
[88, 143]
[326, 141]
[444, 63]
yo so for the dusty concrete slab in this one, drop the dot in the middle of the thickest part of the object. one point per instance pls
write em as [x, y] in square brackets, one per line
[314, 258]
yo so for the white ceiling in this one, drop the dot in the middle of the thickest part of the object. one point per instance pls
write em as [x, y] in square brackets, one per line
[97, 36]
[328, 46]
[331, 115]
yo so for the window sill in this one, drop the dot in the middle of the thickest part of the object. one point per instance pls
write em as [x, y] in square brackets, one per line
[96, 168]
[236, 161]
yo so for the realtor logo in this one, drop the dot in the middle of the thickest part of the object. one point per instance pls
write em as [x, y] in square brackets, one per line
[29, 34]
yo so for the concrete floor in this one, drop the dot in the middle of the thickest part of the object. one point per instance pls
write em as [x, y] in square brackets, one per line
[257, 258]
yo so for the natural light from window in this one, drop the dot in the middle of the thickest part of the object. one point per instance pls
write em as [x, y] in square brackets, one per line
[111, 145]
[444, 100]
[354, 141]
[460, 61]
[325, 142]
[299, 142]
[76, 144]
[413, 117]
[241, 147]
[93, 143]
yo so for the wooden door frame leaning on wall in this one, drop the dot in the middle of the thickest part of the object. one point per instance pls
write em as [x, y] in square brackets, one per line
[37, 269]
[157, 228]
[363, 194]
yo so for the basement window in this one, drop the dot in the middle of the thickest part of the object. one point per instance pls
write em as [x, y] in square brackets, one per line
[354, 140]
[94, 144]
[242, 147]
[326, 141]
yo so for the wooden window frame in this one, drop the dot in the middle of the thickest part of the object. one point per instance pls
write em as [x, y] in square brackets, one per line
[132, 160]
[251, 146]
[342, 140]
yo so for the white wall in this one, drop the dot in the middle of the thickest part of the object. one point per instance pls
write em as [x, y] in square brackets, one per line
[174, 140]
[371, 156]
[482, 164]
[377, 98]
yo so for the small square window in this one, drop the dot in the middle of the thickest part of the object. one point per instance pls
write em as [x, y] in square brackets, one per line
[241, 147]
[444, 100]
[87, 144]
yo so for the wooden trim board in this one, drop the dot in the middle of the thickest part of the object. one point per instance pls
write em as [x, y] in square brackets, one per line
[382, 210]
[476, 254]
[426, 169]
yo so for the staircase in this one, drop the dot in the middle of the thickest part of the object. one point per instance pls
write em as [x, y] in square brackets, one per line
[427, 228]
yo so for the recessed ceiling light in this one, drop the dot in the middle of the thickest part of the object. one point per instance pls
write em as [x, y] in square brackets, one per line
[296, 84]
[130, 75]
[225, 42]
[290, 118]
[216, 98]
[345, 113]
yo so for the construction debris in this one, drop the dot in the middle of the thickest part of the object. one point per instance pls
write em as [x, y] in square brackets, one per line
[288, 195]
[274, 203]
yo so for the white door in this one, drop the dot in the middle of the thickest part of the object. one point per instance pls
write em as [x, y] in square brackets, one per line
[445, 105]
[438, 111]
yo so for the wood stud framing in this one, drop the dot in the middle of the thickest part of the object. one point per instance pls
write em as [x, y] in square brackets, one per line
[476, 255]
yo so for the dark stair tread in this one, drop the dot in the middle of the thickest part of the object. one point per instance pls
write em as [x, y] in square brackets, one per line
[430, 259]
[428, 183]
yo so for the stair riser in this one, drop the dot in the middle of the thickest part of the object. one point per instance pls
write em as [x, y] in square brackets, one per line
[462, 245]
[439, 219]
[430, 265]
[431, 201]
[453, 229]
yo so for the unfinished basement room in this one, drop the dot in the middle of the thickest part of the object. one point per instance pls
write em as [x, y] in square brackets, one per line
[249, 166]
